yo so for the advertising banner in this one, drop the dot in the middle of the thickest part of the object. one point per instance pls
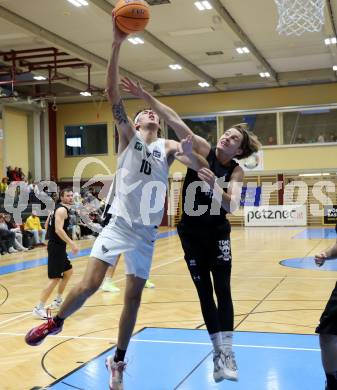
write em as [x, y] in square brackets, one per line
[276, 216]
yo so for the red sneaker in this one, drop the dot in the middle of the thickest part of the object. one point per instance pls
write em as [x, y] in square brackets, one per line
[36, 335]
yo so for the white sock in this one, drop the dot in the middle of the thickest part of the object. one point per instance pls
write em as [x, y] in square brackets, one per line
[227, 340]
[216, 341]
[58, 297]
[108, 280]
[40, 305]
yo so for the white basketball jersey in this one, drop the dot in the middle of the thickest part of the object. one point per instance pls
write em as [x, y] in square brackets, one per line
[141, 182]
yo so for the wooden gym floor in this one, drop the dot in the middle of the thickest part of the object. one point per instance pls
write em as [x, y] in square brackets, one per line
[268, 297]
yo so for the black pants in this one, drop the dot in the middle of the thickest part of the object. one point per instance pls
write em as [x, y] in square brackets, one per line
[209, 260]
[328, 321]
[7, 239]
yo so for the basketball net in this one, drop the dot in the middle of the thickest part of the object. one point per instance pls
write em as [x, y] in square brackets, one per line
[299, 16]
[97, 102]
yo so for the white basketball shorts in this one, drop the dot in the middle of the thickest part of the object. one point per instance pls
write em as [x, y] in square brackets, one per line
[136, 242]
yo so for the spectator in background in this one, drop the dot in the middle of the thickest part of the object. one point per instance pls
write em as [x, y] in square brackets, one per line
[33, 225]
[21, 174]
[320, 138]
[300, 139]
[271, 141]
[3, 186]
[7, 241]
[16, 174]
[17, 244]
[15, 229]
[9, 173]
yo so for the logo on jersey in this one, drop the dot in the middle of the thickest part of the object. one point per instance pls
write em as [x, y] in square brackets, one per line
[192, 262]
[148, 154]
[225, 249]
[138, 146]
[104, 249]
[156, 154]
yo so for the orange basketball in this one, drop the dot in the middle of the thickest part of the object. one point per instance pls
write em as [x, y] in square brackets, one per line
[131, 15]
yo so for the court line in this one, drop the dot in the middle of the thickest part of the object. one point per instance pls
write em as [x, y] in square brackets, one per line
[171, 342]
[14, 318]
[117, 280]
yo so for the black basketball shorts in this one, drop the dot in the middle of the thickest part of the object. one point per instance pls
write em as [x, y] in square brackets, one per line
[58, 261]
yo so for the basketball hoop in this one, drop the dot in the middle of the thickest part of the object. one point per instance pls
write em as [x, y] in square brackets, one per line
[299, 16]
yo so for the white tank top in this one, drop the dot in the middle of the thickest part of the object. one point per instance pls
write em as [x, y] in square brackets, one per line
[141, 182]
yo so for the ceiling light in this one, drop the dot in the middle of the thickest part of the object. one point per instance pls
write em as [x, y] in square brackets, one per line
[330, 41]
[175, 66]
[85, 93]
[39, 78]
[202, 5]
[242, 50]
[136, 41]
[78, 3]
[203, 84]
[334, 68]
[264, 74]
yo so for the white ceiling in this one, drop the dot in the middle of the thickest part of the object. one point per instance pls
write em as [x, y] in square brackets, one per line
[185, 30]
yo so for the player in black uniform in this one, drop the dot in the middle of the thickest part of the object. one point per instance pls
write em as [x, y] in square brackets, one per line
[327, 327]
[59, 266]
[204, 230]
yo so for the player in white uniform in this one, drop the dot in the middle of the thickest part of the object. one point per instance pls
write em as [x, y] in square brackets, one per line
[137, 209]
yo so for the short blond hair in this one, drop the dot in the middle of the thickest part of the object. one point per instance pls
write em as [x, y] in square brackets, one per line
[249, 144]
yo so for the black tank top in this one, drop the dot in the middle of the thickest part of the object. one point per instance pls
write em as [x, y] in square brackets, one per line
[53, 237]
[205, 198]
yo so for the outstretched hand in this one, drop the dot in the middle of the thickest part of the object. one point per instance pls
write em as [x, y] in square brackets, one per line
[186, 145]
[118, 35]
[135, 88]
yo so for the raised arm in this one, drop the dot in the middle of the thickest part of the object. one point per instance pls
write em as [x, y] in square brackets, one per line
[125, 127]
[166, 113]
[184, 153]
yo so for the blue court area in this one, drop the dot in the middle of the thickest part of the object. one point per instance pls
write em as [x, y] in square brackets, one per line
[168, 359]
[309, 263]
[316, 233]
[21, 266]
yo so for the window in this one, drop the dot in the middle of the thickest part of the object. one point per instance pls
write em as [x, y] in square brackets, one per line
[310, 126]
[86, 139]
[206, 127]
[262, 125]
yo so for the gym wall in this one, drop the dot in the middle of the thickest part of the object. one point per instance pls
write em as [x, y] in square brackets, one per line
[16, 146]
[275, 158]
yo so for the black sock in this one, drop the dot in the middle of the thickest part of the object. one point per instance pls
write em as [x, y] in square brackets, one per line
[331, 381]
[119, 355]
[58, 321]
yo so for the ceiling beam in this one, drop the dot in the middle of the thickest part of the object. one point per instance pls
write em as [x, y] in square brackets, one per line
[65, 45]
[234, 26]
[293, 78]
[105, 6]
[69, 81]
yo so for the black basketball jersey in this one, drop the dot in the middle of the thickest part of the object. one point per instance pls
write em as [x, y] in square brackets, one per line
[203, 198]
[53, 237]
